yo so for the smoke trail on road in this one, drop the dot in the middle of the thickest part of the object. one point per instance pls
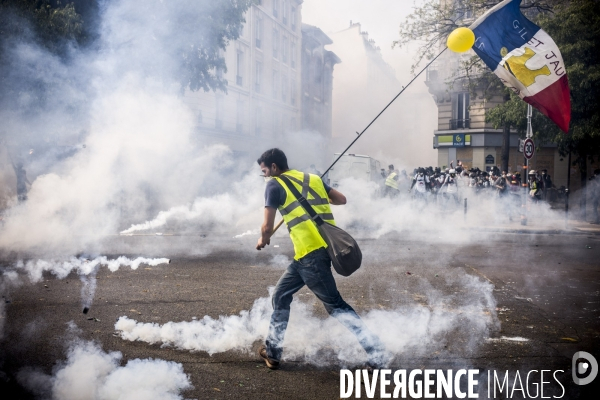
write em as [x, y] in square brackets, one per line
[238, 207]
[12, 276]
[413, 329]
[88, 289]
[91, 373]
[83, 266]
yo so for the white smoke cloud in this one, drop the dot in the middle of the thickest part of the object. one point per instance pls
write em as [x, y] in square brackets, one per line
[82, 266]
[31, 271]
[405, 329]
[240, 207]
[89, 373]
[123, 100]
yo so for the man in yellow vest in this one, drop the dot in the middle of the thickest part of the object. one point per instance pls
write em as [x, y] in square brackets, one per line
[392, 187]
[311, 265]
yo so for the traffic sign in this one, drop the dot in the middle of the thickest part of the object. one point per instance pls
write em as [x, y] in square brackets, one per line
[528, 148]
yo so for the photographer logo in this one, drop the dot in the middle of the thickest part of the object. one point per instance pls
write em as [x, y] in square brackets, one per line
[584, 363]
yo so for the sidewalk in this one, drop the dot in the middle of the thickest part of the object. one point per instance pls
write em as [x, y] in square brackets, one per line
[574, 227]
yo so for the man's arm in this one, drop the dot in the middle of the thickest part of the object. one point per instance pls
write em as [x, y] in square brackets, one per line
[336, 198]
[266, 230]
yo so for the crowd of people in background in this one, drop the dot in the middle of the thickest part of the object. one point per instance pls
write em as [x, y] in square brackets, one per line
[448, 186]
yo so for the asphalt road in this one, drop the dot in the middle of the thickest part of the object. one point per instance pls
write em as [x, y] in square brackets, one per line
[544, 288]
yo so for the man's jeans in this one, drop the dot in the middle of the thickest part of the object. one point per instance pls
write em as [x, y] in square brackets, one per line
[314, 271]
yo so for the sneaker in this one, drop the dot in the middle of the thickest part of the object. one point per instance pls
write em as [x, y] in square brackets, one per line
[271, 363]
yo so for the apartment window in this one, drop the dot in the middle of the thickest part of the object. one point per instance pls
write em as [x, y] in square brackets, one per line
[461, 112]
[283, 126]
[275, 8]
[239, 122]
[257, 121]
[293, 54]
[284, 49]
[276, 127]
[275, 43]
[219, 71]
[284, 9]
[258, 77]
[284, 86]
[219, 112]
[318, 72]
[258, 32]
[464, 11]
[243, 31]
[293, 18]
[275, 83]
[239, 68]
[293, 92]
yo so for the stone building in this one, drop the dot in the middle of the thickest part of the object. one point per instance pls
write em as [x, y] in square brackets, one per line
[317, 80]
[263, 75]
[265, 92]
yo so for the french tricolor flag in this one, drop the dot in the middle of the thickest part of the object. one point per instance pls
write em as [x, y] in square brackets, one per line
[525, 58]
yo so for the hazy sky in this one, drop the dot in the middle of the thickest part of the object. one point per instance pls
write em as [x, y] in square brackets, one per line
[381, 18]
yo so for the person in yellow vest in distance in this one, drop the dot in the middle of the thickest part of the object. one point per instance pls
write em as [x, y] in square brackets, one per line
[311, 265]
[392, 188]
[534, 186]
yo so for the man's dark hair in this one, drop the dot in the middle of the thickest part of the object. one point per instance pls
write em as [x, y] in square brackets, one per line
[274, 156]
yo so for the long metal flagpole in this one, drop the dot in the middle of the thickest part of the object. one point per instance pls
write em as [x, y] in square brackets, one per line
[525, 178]
[371, 123]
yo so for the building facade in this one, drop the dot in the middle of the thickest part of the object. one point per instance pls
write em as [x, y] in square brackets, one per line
[263, 76]
[265, 88]
[463, 133]
[317, 80]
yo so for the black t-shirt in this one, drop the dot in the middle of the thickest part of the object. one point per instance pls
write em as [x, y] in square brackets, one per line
[275, 195]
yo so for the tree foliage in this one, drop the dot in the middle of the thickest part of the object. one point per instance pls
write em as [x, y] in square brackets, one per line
[53, 23]
[203, 59]
[433, 20]
[574, 28]
[199, 36]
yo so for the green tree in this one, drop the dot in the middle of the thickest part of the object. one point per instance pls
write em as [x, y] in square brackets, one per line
[221, 22]
[202, 34]
[433, 20]
[574, 28]
[53, 23]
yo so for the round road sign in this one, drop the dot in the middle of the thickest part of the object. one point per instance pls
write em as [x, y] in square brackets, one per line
[528, 148]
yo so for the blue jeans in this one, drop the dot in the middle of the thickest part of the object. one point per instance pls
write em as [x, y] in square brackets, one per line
[314, 271]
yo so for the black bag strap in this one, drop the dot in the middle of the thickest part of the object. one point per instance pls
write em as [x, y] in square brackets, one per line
[302, 200]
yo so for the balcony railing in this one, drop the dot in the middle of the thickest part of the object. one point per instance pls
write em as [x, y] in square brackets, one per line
[460, 124]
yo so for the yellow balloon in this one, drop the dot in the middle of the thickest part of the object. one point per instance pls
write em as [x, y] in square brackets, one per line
[461, 40]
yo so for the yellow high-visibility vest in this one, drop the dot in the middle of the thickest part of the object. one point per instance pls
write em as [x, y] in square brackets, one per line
[303, 231]
[391, 182]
